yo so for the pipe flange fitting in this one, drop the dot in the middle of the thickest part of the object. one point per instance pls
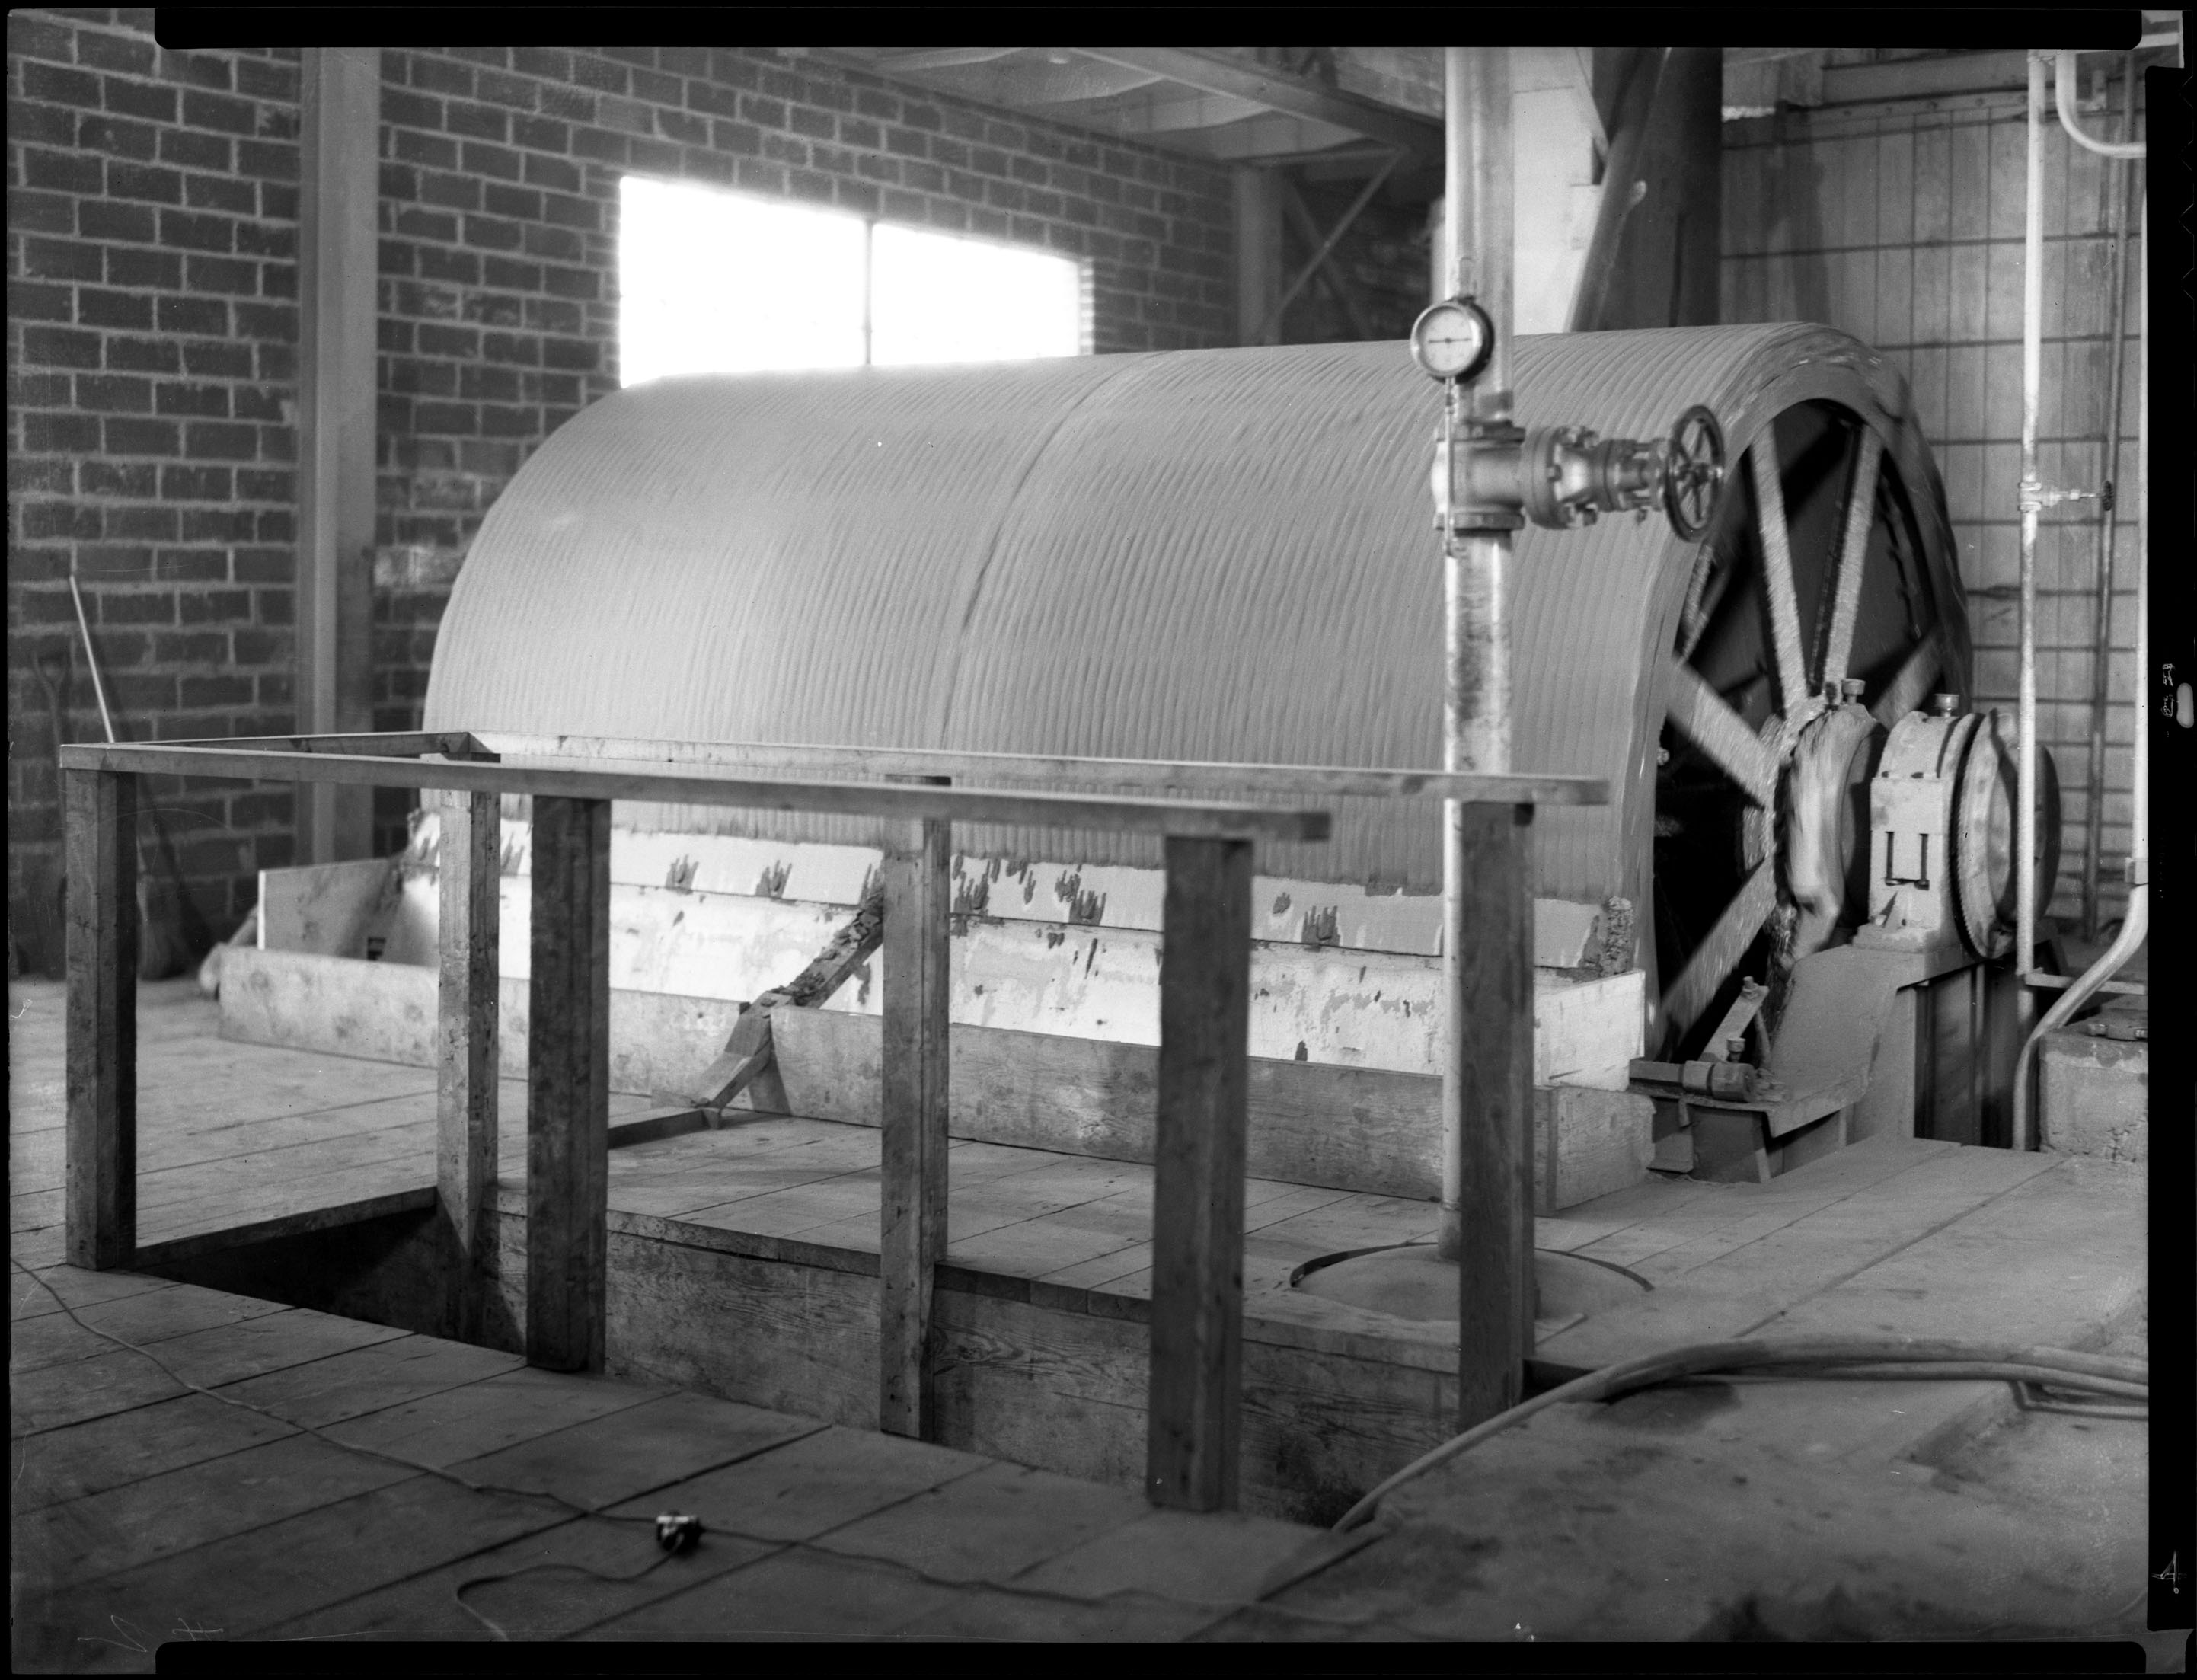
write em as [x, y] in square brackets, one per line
[1556, 476]
[1485, 475]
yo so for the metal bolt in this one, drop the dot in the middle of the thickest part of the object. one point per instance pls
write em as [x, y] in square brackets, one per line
[1852, 688]
[1944, 705]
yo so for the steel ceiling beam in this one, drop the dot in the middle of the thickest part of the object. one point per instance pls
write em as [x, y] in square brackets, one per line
[1291, 94]
[940, 58]
[1261, 140]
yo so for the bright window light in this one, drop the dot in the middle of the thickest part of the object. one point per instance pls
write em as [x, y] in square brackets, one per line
[716, 282]
[936, 298]
[713, 282]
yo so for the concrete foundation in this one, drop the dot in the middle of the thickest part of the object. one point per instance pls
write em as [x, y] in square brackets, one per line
[2094, 1095]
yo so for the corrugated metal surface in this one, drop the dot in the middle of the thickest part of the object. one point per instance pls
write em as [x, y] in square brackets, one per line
[1223, 554]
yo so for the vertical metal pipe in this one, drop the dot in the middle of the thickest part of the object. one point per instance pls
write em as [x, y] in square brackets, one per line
[1476, 709]
[2136, 925]
[2033, 308]
[2123, 175]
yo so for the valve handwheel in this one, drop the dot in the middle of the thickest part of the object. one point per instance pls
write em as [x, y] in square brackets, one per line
[1693, 472]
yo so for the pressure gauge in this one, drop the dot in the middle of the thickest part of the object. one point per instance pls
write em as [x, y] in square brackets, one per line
[1453, 339]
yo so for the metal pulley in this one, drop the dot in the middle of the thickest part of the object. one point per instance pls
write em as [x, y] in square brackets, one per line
[1943, 822]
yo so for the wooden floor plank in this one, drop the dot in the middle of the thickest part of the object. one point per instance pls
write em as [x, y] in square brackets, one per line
[442, 1429]
[1039, 1248]
[312, 1203]
[1101, 1271]
[363, 1380]
[975, 1163]
[56, 1396]
[1355, 1221]
[988, 1526]
[119, 1380]
[85, 1539]
[1746, 1288]
[130, 1445]
[637, 1450]
[145, 1319]
[1267, 1201]
[812, 1484]
[989, 1614]
[241, 1585]
[36, 1295]
[557, 1582]
[114, 1450]
[786, 1597]
[1898, 1210]
[2052, 1261]
[1177, 1555]
[1791, 1196]
[40, 1164]
[794, 1209]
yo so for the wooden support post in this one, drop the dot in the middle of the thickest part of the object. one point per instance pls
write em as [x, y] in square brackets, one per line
[1491, 931]
[102, 841]
[568, 1067]
[1197, 1173]
[338, 198]
[1258, 248]
[466, 1052]
[912, 1235]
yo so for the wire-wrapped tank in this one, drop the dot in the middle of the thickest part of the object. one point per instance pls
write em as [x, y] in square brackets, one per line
[1220, 555]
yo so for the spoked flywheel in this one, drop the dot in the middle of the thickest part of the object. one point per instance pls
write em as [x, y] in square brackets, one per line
[1813, 620]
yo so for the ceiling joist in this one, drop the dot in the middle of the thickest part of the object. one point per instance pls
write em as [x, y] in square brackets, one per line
[1289, 96]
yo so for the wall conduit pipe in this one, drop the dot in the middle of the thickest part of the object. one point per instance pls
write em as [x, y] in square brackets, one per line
[2064, 95]
[2136, 922]
[2102, 645]
[2032, 379]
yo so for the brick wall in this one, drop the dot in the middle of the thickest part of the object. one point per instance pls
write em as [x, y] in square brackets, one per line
[152, 326]
[152, 323]
[1903, 225]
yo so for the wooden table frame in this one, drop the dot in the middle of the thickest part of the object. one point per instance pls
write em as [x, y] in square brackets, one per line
[1197, 1219]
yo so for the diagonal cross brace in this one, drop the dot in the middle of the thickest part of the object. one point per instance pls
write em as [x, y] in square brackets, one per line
[748, 1052]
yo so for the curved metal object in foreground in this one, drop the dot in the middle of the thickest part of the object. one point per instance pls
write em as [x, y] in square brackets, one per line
[1217, 555]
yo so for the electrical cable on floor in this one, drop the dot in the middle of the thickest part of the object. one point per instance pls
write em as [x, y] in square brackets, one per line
[496, 1632]
[1873, 1359]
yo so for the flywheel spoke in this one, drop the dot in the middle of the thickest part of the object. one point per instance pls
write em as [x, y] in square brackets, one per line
[1910, 684]
[1686, 998]
[1777, 575]
[1699, 713]
[1853, 555]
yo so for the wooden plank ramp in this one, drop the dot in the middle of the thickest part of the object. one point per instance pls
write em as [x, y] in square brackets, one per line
[318, 1490]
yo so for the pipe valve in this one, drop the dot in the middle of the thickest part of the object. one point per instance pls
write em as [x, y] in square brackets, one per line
[2033, 497]
[1565, 476]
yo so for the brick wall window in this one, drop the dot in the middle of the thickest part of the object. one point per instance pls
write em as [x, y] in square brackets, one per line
[713, 281]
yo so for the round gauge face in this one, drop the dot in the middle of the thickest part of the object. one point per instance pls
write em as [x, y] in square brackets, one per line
[1451, 340]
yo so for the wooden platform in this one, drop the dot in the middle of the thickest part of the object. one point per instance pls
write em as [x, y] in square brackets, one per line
[245, 1138]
